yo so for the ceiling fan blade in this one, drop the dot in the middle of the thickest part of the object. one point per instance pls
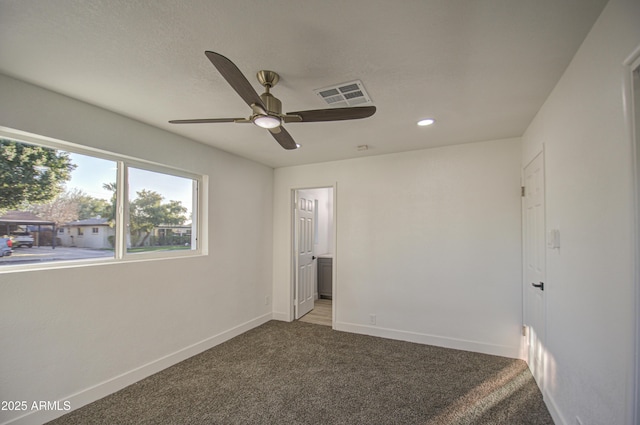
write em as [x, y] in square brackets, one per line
[283, 137]
[235, 78]
[334, 114]
[205, 120]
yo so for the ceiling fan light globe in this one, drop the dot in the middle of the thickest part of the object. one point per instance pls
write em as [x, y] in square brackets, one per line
[267, 121]
[426, 122]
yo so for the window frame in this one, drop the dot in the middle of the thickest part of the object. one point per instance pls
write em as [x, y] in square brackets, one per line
[123, 163]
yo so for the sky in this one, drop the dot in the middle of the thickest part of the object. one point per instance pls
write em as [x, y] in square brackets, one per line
[91, 173]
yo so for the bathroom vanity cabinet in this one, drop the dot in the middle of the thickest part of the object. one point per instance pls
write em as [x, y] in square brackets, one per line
[325, 276]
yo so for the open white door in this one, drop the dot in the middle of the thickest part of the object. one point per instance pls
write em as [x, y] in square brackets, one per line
[305, 265]
[535, 266]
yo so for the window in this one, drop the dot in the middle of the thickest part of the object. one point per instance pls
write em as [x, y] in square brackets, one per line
[160, 211]
[134, 209]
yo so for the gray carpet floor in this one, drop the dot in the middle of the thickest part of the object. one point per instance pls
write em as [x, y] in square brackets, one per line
[300, 373]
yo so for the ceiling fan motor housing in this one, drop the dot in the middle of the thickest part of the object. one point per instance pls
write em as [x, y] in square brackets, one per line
[273, 105]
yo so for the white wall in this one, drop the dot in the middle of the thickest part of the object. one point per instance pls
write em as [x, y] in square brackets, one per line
[589, 287]
[428, 241]
[79, 333]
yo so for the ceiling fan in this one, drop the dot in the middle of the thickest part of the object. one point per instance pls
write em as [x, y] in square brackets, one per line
[267, 109]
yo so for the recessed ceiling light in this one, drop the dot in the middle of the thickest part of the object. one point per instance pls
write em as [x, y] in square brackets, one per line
[298, 145]
[426, 122]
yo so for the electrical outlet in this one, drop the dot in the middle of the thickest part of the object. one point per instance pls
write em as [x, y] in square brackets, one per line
[372, 319]
[267, 300]
[578, 421]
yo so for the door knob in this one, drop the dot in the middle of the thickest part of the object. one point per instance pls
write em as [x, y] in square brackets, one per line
[313, 257]
[540, 285]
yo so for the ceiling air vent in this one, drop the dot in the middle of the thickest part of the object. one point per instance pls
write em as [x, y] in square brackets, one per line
[345, 94]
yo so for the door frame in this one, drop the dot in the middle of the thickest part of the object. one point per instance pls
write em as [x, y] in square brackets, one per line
[633, 130]
[292, 253]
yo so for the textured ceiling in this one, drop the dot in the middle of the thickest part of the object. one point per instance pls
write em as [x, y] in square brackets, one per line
[481, 68]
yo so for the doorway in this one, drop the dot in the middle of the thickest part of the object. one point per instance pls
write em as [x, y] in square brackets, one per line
[314, 254]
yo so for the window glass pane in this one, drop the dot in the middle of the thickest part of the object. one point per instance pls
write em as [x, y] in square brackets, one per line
[45, 191]
[160, 212]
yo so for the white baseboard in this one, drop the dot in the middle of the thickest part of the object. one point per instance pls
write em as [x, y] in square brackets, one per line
[458, 344]
[283, 317]
[119, 382]
[557, 417]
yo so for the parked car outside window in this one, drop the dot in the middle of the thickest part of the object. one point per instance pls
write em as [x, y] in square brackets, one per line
[21, 239]
[5, 247]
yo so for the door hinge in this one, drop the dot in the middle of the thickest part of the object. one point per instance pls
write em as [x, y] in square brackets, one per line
[522, 191]
[524, 330]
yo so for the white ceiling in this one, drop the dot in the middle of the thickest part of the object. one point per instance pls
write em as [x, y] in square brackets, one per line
[481, 68]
